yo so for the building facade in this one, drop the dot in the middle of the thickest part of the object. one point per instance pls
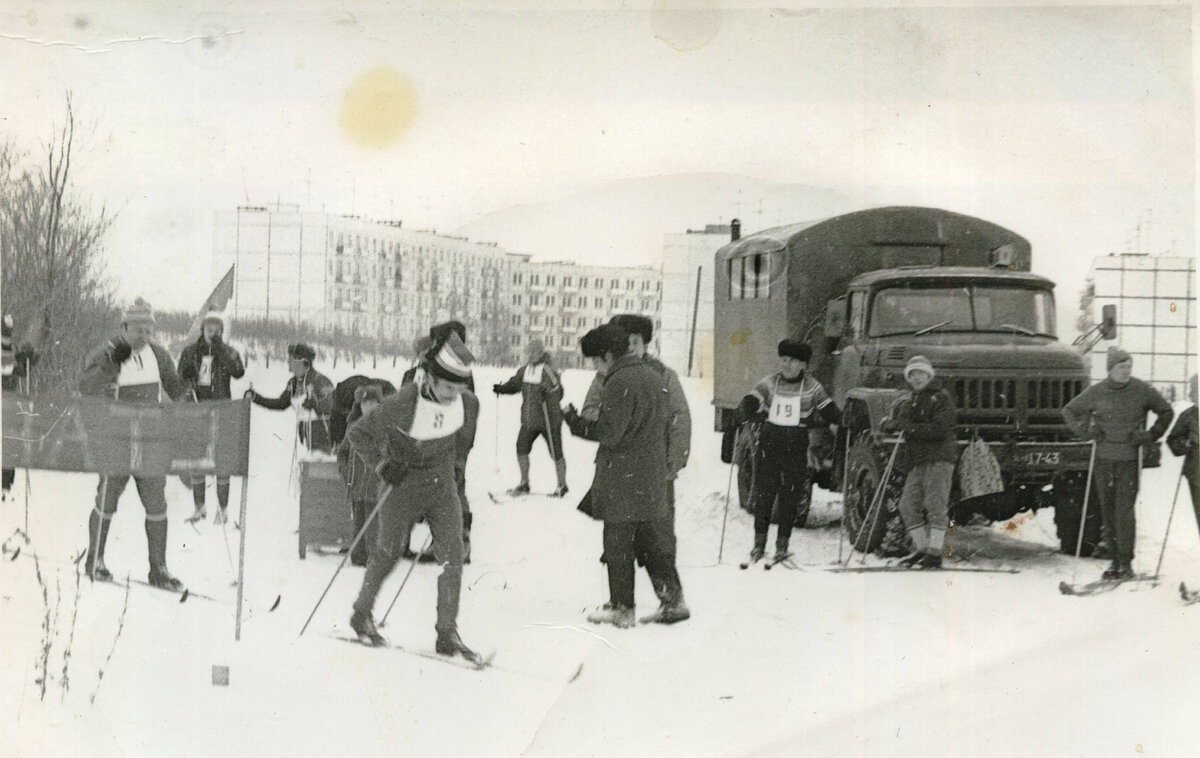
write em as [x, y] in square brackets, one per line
[355, 276]
[688, 261]
[1155, 297]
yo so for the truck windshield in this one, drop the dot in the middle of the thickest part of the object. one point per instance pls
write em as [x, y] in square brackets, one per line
[975, 307]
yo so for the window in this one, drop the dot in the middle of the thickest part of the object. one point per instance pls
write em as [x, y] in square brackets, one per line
[516, 299]
[550, 341]
[516, 340]
[549, 321]
[599, 302]
[516, 319]
[858, 310]
[535, 319]
[749, 277]
[566, 281]
[549, 299]
[599, 284]
[533, 298]
[550, 280]
[567, 301]
[615, 283]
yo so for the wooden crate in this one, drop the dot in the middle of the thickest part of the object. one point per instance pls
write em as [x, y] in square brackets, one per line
[325, 517]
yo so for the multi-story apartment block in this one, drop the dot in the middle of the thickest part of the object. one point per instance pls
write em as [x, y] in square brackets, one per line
[359, 276]
[687, 261]
[1155, 298]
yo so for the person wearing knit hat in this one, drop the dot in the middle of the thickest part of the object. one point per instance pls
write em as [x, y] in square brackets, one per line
[1112, 413]
[928, 420]
[541, 392]
[208, 365]
[414, 440]
[132, 368]
[1183, 441]
[786, 404]
[309, 393]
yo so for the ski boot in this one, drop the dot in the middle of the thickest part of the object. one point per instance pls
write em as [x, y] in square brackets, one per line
[100, 572]
[200, 514]
[220, 518]
[911, 561]
[560, 492]
[1112, 572]
[520, 489]
[161, 578]
[668, 613]
[450, 644]
[618, 616]
[757, 554]
[1125, 573]
[364, 626]
[929, 561]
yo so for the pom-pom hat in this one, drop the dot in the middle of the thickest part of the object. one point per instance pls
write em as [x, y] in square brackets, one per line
[452, 361]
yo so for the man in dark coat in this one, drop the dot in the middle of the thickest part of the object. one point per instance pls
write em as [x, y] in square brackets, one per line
[1183, 441]
[1113, 413]
[541, 392]
[629, 490]
[132, 368]
[207, 365]
[310, 393]
[413, 441]
[929, 421]
[16, 364]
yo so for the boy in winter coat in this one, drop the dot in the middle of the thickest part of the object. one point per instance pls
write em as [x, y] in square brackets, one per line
[132, 368]
[928, 420]
[541, 393]
[1183, 441]
[361, 480]
[413, 441]
[789, 402]
[310, 393]
[1113, 413]
[207, 365]
[629, 491]
[16, 366]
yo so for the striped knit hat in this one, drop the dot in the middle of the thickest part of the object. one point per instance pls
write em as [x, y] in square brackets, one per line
[452, 361]
[139, 312]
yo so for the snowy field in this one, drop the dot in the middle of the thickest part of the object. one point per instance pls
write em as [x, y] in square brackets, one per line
[786, 663]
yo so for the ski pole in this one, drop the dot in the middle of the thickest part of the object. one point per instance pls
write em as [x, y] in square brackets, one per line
[1087, 491]
[411, 566]
[725, 519]
[879, 494]
[1170, 516]
[99, 528]
[845, 482]
[496, 436]
[549, 436]
[876, 497]
[382, 497]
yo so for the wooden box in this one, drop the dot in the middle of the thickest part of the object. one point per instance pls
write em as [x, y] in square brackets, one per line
[325, 517]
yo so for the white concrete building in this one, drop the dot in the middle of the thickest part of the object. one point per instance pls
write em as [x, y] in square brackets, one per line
[686, 257]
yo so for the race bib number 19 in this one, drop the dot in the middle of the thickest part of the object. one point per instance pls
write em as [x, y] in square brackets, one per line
[785, 411]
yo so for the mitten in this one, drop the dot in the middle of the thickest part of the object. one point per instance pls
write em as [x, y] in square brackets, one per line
[390, 471]
[120, 350]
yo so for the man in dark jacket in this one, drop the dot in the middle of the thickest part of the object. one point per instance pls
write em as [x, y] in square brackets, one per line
[361, 481]
[541, 392]
[1183, 441]
[928, 420]
[207, 365]
[413, 440]
[629, 491]
[310, 393]
[132, 368]
[1113, 413]
[16, 364]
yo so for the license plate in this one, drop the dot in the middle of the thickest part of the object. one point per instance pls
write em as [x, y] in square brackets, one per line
[1039, 458]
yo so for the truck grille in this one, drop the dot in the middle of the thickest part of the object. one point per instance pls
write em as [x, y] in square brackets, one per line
[1051, 393]
[985, 394]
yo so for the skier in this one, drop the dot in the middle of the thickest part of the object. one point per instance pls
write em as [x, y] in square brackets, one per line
[788, 402]
[413, 441]
[207, 365]
[361, 480]
[928, 419]
[309, 392]
[16, 365]
[541, 393]
[1113, 413]
[629, 488]
[132, 368]
[1183, 441]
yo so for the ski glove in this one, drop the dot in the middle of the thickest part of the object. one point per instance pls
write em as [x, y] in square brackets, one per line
[26, 356]
[120, 351]
[392, 472]
[250, 394]
[496, 388]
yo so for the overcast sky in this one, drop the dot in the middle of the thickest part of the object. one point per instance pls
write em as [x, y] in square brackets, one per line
[1068, 125]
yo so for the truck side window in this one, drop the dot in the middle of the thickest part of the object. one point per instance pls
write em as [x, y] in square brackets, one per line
[858, 312]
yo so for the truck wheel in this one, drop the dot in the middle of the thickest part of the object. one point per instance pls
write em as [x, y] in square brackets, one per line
[1068, 507]
[865, 469]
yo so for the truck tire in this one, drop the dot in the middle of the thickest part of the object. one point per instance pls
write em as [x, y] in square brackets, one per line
[864, 465]
[1068, 507]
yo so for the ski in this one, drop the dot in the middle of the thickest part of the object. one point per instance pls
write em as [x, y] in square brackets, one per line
[785, 559]
[1100, 586]
[507, 497]
[905, 569]
[478, 663]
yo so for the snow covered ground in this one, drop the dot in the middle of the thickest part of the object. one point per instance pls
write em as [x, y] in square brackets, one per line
[784, 663]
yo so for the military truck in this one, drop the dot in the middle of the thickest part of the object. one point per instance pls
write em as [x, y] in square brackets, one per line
[869, 290]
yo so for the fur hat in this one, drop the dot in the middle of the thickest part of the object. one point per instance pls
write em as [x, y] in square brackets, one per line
[633, 323]
[452, 361]
[368, 392]
[919, 363]
[795, 349]
[213, 317]
[1115, 355]
[605, 339]
[302, 352]
[139, 312]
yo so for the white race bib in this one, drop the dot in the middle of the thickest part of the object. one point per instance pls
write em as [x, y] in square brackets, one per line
[533, 374]
[785, 410]
[433, 421]
[138, 379]
[206, 365]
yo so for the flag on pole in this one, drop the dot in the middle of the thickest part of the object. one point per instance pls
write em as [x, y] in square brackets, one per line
[216, 301]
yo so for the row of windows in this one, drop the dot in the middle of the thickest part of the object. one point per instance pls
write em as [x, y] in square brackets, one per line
[598, 283]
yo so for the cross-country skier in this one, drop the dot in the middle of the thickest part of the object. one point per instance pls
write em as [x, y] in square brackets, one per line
[629, 488]
[309, 392]
[541, 392]
[16, 365]
[928, 420]
[413, 440]
[1113, 413]
[207, 365]
[132, 368]
[361, 479]
[789, 402]
[1183, 441]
